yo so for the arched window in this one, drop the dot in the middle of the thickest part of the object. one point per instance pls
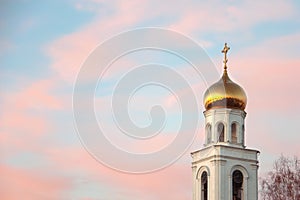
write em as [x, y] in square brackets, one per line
[221, 132]
[208, 133]
[204, 186]
[237, 185]
[233, 133]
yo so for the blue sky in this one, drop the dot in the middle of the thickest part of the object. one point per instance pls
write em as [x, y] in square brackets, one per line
[43, 46]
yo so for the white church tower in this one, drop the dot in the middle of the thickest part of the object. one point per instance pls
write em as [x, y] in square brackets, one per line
[224, 169]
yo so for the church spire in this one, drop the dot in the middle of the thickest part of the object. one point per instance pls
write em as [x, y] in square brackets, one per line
[225, 169]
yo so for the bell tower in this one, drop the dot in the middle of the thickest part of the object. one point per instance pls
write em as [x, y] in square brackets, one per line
[224, 169]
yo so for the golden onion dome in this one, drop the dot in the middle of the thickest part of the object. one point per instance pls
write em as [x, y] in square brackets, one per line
[225, 93]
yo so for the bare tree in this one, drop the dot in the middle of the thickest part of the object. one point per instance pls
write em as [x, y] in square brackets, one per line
[283, 183]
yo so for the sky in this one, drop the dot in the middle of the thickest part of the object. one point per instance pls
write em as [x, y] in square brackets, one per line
[44, 45]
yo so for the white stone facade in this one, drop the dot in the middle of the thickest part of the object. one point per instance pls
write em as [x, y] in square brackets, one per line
[223, 155]
[227, 117]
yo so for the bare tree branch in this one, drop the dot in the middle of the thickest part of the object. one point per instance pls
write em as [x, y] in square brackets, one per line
[283, 182]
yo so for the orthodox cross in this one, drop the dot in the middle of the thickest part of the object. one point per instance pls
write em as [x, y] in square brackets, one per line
[225, 50]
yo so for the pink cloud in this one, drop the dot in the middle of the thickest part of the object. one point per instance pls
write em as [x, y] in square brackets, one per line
[154, 186]
[38, 94]
[21, 131]
[18, 107]
[25, 184]
[24, 124]
[70, 51]
[23, 120]
[224, 16]
[144, 186]
[269, 73]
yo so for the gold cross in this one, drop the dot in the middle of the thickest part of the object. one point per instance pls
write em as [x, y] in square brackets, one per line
[225, 50]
